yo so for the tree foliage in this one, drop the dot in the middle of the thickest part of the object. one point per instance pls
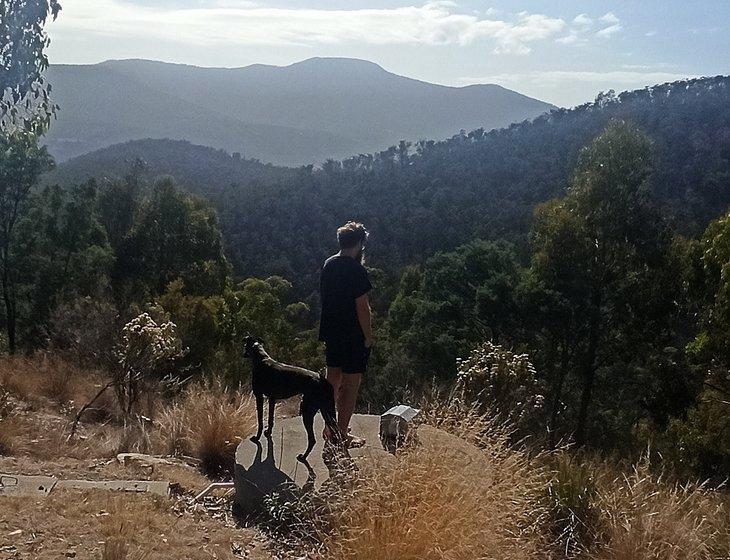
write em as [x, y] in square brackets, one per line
[22, 162]
[25, 101]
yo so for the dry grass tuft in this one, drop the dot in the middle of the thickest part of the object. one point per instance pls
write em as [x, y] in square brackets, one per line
[207, 422]
[452, 413]
[8, 436]
[643, 516]
[441, 499]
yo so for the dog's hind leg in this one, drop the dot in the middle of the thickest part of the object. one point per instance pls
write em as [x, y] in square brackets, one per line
[260, 416]
[270, 427]
[308, 420]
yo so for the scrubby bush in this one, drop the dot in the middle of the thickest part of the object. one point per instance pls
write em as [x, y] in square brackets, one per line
[502, 382]
[146, 346]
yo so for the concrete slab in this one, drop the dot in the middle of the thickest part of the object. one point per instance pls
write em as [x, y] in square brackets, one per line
[271, 465]
[41, 486]
[25, 485]
[160, 488]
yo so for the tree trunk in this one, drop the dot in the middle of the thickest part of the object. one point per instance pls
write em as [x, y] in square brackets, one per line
[558, 393]
[589, 373]
[9, 310]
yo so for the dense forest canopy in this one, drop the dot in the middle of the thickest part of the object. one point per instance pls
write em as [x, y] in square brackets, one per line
[436, 195]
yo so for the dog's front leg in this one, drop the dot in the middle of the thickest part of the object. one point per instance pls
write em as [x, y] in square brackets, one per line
[260, 416]
[308, 419]
[270, 427]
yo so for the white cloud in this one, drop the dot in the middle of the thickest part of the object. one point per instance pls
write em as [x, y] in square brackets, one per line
[614, 78]
[582, 22]
[577, 35]
[651, 66]
[571, 39]
[614, 25]
[610, 30]
[571, 87]
[241, 23]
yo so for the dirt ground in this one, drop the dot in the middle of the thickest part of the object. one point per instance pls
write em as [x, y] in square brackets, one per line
[104, 525]
[121, 526]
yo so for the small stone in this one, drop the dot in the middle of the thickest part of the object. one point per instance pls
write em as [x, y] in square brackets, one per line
[16, 532]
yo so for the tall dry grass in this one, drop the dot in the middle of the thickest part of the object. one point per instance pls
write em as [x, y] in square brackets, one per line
[473, 495]
[438, 503]
[46, 376]
[598, 510]
[642, 516]
[206, 421]
[439, 498]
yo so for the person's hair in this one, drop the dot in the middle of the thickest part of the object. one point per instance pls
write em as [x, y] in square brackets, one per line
[351, 234]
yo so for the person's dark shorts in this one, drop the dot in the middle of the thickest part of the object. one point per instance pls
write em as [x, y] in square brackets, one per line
[351, 357]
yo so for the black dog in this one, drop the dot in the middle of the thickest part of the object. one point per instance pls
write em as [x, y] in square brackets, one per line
[279, 381]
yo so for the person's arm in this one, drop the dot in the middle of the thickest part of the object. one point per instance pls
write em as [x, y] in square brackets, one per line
[364, 317]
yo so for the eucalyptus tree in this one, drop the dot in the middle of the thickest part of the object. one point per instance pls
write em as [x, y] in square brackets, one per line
[25, 101]
[604, 250]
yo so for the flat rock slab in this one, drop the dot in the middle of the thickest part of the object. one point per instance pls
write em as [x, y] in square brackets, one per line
[41, 486]
[271, 464]
[23, 485]
[135, 486]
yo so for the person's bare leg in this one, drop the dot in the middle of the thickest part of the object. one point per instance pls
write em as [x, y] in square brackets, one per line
[346, 400]
[334, 376]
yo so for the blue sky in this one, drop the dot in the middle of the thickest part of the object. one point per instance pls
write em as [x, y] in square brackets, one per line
[559, 51]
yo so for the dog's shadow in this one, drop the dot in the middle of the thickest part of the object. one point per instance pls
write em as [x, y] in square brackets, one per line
[264, 478]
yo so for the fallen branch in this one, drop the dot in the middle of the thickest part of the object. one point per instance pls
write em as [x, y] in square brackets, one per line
[84, 408]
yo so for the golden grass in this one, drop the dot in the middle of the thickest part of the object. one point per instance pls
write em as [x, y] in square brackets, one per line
[93, 525]
[44, 376]
[433, 504]
[207, 422]
[644, 517]
[440, 498]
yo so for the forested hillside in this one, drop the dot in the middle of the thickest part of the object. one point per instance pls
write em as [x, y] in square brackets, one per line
[200, 169]
[422, 198]
[436, 195]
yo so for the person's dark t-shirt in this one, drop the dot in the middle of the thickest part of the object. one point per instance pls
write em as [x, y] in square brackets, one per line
[343, 280]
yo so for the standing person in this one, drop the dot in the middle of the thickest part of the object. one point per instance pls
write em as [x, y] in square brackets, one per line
[345, 322]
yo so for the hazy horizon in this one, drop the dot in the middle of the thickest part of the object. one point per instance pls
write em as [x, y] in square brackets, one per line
[560, 53]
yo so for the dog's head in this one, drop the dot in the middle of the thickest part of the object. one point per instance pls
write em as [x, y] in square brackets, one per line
[249, 345]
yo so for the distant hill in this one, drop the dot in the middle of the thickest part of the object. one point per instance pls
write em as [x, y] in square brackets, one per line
[303, 113]
[200, 169]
